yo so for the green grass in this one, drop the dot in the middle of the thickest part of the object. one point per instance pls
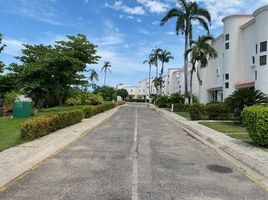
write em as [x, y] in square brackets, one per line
[229, 128]
[9, 128]
[184, 114]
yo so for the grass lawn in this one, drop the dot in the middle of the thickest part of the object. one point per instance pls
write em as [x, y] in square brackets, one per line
[9, 128]
[230, 129]
[184, 114]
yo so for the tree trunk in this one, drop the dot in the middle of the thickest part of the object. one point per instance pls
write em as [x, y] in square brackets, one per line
[60, 100]
[39, 105]
[156, 65]
[104, 78]
[161, 75]
[150, 80]
[191, 84]
[186, 66]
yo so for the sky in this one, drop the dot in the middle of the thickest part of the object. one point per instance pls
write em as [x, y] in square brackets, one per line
[125, 31]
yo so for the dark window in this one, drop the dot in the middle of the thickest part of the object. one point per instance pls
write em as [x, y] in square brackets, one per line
[253, 59]
[227, 45]
[263, 60]
[226, 76]
[263, 46]
[256, 75]
[227, 37]
[226, 85]
[256, 49]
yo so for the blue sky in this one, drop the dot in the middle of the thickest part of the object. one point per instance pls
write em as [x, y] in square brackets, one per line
[124, 30]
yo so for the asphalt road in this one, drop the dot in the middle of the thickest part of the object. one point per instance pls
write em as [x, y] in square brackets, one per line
[136, 154]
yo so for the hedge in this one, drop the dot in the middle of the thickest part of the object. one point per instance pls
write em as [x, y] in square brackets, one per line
[162, 102]
[137, 100]
[197, 111]
[255, 119]
[35, 128]
[216, 111]
[93, 110]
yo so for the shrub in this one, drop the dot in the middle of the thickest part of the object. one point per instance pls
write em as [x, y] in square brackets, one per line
[84, 99]
[137, 100]
[197, 111]
[162, 102]
[216, 111]
[179, 107]
[177, 98]
[93, 110]
[255, 120]
[245, 97]
[35, 128]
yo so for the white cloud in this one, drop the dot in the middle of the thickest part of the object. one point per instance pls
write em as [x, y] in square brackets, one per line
[14, 46]
[118, 5]
[154, 6]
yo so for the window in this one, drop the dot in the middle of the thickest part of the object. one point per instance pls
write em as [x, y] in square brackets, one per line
[227, 85]
[226, 76]
[256, 75]
[263, 46]
[253, 59]
[217, 72]
[256, 49]
[263, 60]
[227, 45]
[227, 37]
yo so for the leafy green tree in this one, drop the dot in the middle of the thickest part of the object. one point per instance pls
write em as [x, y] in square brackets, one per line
[185, 14]
[154, 57]
[158, 83]
[2, 46]
[177, 98]
[93, 76]
[106, 68]
[122, 93]
[107, 93]
[201, 51]
[245, 97]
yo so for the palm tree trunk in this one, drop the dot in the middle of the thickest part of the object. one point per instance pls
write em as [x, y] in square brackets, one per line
[191, 85]
[186, 66]
[150, 80]
[156, 65]
[105, 78]
[161, 75]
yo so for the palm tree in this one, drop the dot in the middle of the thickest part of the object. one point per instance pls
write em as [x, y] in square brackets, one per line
[155, 56]
[164, 57]
[158, 83]
[185, 14]
[106, 67]
[201, 51]
[150, 62]
[92, 77]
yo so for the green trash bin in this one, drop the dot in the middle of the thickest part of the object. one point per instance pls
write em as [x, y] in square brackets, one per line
[22, 109]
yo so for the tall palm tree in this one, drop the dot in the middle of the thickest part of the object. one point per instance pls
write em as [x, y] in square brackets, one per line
[165, 56]
[158, 83]
[150, 63]
[93, 76]
[155, 56]
[185, 14]
[106, 67]
[201, 51]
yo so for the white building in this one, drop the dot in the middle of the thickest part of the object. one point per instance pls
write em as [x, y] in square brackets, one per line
[242, 57]
[132, 90]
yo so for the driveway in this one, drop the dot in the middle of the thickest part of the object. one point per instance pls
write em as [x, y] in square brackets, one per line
[136, 154]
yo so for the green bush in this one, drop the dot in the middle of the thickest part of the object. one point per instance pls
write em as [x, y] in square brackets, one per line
[84, 99]
[216, 111]
[179, 107]
[177, 98]
[162, 102]
[197, 111]
[137, 100]
[255, 119]
[35, 128]
[93, 110]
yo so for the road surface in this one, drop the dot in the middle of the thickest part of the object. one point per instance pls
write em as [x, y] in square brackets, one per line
[136, 154]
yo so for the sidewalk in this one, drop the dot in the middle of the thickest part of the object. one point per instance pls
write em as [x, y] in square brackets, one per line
[248, 159]
[16, 161]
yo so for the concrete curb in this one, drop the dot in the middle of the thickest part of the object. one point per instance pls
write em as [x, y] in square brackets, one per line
[248, 159]
[16, 161]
